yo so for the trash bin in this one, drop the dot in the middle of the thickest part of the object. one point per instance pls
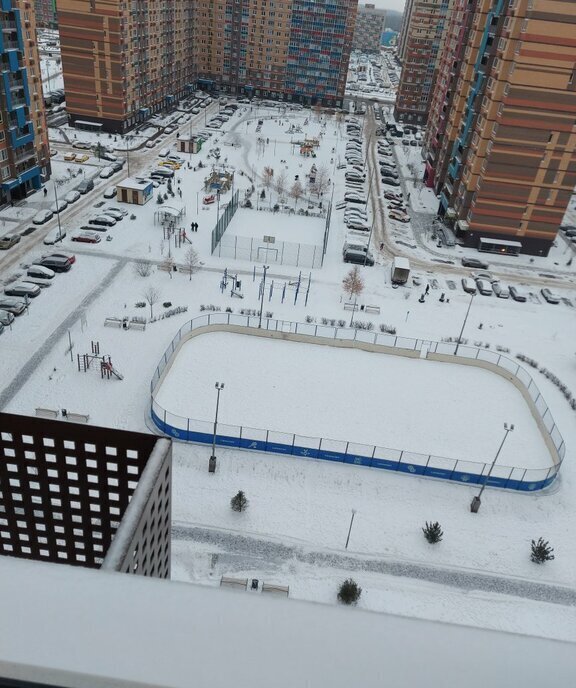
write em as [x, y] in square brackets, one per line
[212, 465]
[475, 505]
[254, 584]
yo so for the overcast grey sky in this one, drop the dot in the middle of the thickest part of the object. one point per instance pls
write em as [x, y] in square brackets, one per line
[386, 4]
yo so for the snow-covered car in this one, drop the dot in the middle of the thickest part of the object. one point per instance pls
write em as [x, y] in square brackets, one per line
[106, 172]
[110, 192]
[87, 237]
[102, 220]
[40, 272]
[58, 207]
[55, 236]
[398, 216]
[72, 197]
[42, 216]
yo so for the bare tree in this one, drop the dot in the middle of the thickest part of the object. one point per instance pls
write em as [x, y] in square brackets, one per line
[280, 185]
[267, 175]
[353, 282]
[143, 268]
[152, 296]
[191, 261]
[296, 192]
[322, 183]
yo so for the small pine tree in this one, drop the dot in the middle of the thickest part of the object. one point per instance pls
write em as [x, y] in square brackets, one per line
[541, 551]
[349, 592]
[432, 532]
[239, 502]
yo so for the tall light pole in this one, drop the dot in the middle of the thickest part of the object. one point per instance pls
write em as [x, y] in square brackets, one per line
[212, 463]
[350, 528]
[128, 138]
[58, 213]
[464, 324]
[265, 268]
[475, 505]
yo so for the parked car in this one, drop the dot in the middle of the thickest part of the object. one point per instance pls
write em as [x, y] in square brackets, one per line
[550, 296]
[55, 236]
[72, 196]
[164, 152]
[102, 220]
[69, 157]
[87, 237]
[8, 241]
[358, 257]
[500, 290]
[474, 263]
[58, 207]
[42, 216]
[85, 186]
[82, 158]
[12, 305]
[40, 272]
[484, 287]
[162, 173]
[468, 285]
[389, 181]
[113, 213]
[110, 192]
[398, 216]
[116, 209]
[22, 289]
[58, 263]
[517, 295]
[106, 172]
[118, 165]
[6, 317]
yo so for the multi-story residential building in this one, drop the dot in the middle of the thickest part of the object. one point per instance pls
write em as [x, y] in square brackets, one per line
[512, 166]
[403, 33]
[446, 103]
[124, 60]
[46, 14]
[370, 25]
[294, 50]
[419, 53]
[24, 151]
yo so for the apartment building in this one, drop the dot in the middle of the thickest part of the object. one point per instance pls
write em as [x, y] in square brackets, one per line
[403, 33]
[446, 103]
[512, 163]
[124, 59]
[46, 14]
[293, 50]
[24, 151]
[421, 41]
[370, 25]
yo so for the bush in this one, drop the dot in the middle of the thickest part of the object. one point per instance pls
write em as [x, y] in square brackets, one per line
[541, 551]
[167, 304]
[140, 304]
[349, 592]
[239, 502]
[142, 268]
[309, 319]
[432, 532]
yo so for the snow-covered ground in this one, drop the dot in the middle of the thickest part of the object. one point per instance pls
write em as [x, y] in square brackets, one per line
[299, 503]
[390, 401]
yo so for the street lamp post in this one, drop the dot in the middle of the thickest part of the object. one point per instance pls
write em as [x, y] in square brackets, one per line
[128, 139]
[475, 505]
[212, 463]
[58, 214]
[353, 309]
[464, 324]
[265, 268]
[350, 528]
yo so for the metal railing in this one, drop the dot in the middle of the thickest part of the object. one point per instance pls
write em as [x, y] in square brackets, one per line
[460, 470]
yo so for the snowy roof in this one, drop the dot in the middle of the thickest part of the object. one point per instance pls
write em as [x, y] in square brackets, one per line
[69, 626]
[401, 262]
[132, 183]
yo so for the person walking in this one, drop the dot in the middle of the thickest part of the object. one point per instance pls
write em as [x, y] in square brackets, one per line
[427, 289]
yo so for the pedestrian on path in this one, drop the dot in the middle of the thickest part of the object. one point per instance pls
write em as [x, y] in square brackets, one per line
[427, 289]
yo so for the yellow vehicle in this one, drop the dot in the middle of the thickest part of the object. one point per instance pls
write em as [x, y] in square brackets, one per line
[82, 158]
[70, 156]
[169, 163]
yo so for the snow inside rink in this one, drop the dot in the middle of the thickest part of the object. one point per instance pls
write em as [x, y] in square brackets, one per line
[444, 409]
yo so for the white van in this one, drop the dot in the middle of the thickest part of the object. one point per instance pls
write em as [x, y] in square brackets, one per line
[164, 152]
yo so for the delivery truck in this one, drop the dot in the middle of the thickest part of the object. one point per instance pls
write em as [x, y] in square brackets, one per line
[400, 270]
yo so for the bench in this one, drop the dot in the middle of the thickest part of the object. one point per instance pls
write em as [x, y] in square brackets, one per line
[112, 322]
[228, 582]
[76, 417]
[137, 325]
[46, 413]
[276, 589]
[372, 309]
[351, 306]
